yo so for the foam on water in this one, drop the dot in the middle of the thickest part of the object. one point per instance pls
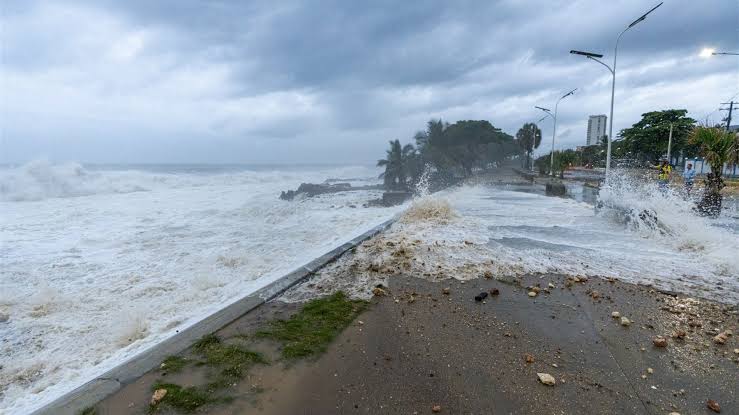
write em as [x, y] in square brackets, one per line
[98, 265]
[501, 232]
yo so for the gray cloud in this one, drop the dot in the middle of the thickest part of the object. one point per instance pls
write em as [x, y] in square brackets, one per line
[332, 81]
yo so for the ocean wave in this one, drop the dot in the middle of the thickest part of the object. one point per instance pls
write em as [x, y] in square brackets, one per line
[40, 179]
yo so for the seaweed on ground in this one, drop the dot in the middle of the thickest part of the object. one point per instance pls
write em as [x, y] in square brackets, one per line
[310, 331]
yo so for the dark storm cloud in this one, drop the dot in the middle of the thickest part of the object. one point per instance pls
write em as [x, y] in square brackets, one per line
[343, 72]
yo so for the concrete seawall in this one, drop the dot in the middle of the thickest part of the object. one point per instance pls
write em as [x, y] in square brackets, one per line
[111, 381]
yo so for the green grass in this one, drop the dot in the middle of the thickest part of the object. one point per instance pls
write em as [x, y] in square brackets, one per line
[88, 411]
[231, 358]
[183, 399]
[310, 331]
[174, 364]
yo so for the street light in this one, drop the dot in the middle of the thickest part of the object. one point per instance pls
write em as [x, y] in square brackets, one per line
[534, 128]
[708, 52]
[595, 56]
[554, 129]
[547, 111]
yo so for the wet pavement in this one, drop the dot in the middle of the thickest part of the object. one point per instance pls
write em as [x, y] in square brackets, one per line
[417, 348]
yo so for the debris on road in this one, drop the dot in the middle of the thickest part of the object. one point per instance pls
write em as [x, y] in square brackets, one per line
[157, 397]
[659, 341]
[546, 379]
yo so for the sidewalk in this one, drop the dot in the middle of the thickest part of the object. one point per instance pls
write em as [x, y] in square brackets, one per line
[417, 348]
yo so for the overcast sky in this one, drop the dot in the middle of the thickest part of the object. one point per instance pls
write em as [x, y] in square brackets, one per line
[333, 81]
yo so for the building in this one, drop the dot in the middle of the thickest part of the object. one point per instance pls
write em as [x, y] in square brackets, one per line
[596, 129]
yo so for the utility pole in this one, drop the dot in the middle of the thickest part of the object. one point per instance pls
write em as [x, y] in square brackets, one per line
[730, 109]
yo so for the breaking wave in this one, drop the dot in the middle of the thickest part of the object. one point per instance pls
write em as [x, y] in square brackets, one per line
[428, 209]
[666, 215]
[40, 179]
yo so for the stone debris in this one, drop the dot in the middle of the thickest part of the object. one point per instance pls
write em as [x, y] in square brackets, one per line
[378, 292]
[546, 379]
[680, 334]
[488, 274]
[625, 321]
[529, 358]
[494, 291]
[674, 413]
[532, 294]
[659, 341]
[446, 291]
[158, 395]
[483, 295]
[616, 314]
[736, 351]
[721, 338]
[713, 405]
[436, 409]
[4, 317]
[551, 285]
[650, 370]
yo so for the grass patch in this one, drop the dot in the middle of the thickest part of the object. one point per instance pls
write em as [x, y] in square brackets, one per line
[310, 331]
[183, 399]
[174, 364]
[88, 411]
[233, 359]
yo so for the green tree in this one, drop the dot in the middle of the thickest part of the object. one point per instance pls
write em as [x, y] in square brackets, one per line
[529, 139]
[717, 147]
[647, 139]
[398, 163]
[467, 144]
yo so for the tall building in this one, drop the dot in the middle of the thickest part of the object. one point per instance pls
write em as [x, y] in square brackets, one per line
[596, 129]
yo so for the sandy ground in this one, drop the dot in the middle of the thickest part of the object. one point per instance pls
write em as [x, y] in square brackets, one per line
[417, 348]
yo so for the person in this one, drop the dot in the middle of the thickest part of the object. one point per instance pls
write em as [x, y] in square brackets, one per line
[689, 177]
[663, 180]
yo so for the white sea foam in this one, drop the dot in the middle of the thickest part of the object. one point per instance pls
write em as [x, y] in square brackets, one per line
[94, 269]
[510, 233]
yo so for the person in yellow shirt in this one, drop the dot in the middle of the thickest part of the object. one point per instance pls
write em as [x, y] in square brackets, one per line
[663, 179]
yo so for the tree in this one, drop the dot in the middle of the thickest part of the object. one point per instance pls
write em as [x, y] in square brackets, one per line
[395, 174]
[529, 139]
[717, 147]
[647, 139]
[467, 144]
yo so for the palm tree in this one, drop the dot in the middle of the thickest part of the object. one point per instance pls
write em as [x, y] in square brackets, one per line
[399, 163]
[717, 147]
[529, 138]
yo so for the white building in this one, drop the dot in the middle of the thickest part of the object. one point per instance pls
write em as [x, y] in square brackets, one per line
[596, 129]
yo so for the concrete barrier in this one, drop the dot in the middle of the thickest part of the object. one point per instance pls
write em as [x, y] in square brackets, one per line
[111, 381]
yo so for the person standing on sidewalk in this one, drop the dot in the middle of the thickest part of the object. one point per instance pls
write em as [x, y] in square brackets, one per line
[688, 178]
[663, 179]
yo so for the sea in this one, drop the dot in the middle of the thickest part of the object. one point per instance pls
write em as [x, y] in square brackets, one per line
[101, 262]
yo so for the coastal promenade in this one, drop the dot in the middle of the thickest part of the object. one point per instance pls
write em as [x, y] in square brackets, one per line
[424, 344]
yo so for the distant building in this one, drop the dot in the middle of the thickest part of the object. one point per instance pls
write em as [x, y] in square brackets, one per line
[596, 129]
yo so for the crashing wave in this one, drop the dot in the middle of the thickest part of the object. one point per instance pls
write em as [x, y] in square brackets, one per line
[40, 179]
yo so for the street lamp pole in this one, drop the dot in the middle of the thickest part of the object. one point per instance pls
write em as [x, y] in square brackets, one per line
[554, 129]
[594, 57]
[549, 114]
[535, 128]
